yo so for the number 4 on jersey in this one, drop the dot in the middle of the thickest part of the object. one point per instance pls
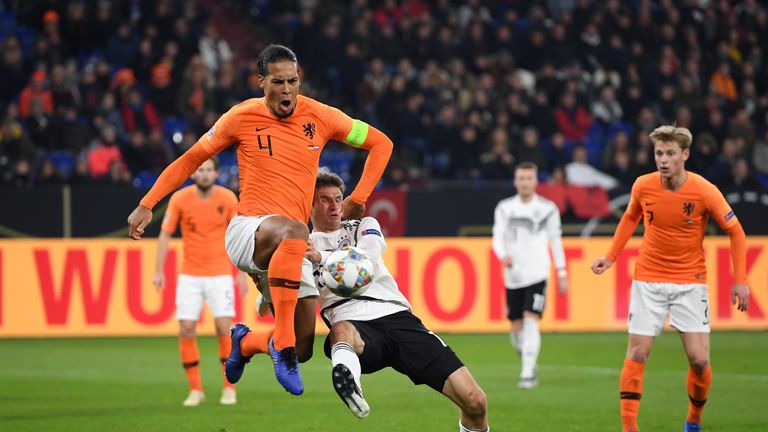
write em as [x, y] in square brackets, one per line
[265, 147]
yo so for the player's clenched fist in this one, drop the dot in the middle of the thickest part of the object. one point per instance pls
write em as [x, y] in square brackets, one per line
[351, 210]
[600, 265]
[137, 221]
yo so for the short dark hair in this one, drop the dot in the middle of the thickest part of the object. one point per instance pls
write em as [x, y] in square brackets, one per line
[328, 178]
[272, 54]
[527, 165]
[215, 161]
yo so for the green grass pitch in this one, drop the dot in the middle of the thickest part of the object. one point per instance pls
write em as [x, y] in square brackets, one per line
[137, 384]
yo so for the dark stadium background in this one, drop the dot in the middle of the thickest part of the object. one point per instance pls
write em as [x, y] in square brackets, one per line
[96, 97]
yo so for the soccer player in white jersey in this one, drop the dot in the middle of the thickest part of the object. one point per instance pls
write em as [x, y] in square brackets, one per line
[378, 330]
[525, 226]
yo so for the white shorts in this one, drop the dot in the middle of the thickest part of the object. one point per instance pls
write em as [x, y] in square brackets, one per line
[191, 291]
[650, 302]
[240, 244]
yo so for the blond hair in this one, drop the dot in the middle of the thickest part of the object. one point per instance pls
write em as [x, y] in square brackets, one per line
[682, 136]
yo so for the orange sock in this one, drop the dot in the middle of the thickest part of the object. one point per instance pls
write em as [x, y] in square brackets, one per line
[284, 279]
[698, 388]
[631, 389]
[225, 344]
[190, 359]
[255, 343]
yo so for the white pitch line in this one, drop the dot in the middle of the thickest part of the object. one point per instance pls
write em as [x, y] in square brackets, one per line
[616, 371]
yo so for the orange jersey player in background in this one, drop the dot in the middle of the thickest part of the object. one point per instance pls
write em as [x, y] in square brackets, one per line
[279, 138]
[203, 210]
[670, 275]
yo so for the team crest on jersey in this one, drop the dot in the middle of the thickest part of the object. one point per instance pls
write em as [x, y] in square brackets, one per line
[344, 243]
[688, 208]
[309, 130]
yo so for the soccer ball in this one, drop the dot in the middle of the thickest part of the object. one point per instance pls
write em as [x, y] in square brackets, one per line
[347, 272]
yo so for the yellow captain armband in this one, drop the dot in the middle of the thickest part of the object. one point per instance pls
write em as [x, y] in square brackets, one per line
[357, 134]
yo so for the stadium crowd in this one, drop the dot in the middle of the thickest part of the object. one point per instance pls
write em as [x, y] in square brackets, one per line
[112, 91]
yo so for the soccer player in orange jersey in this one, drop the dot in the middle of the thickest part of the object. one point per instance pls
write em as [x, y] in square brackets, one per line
[279, 137]
[670, 274]
[203, 211]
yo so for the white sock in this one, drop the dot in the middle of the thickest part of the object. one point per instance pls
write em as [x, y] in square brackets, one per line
[463, 428]
[516, 339]
[342, 353]
[530, 347]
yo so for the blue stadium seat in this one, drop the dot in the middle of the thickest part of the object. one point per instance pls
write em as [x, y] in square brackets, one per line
[63, 161]
[174, 125]
[144, 179]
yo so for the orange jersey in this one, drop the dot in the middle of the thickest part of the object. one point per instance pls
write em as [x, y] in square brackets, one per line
[279, 158]
[672, 248]
[203, 224]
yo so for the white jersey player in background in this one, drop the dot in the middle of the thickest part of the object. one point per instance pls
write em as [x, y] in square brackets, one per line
[525, 226]
[378, 330]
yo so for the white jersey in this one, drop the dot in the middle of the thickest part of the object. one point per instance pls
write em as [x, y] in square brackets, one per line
[382, 298]
[523, 231]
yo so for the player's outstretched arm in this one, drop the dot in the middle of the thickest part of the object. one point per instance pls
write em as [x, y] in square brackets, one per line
[217, 139]
[379, 148]
[740, 289]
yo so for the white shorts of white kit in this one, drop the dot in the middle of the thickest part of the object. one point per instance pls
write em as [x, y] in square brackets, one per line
[191, 291]
[240, 244]
[650, 302]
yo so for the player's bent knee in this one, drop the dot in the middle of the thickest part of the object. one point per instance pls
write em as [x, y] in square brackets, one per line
[699, 364]
[638, 356]
[342, 332]
[304, 351]
[294, 230]
[475, 403]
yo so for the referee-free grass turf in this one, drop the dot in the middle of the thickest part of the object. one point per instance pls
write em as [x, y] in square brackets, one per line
[137, 384]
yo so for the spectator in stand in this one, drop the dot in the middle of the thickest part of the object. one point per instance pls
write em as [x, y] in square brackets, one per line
[580, 173]
[103, 152]
[47, 174]
[214, 50]
[118, 174]
[741, 178]
[139, 113]
[160, 154]
[37, 90]
[14, 143]
[195, 96]
[12, 70]
[530, 150]
[136, 154]
[20, 176]
[723, 83]
[40, 125]
[162, 92]
[121, 47]
[572, 119]
[606, 109]
[497, 163]
[71, 132]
